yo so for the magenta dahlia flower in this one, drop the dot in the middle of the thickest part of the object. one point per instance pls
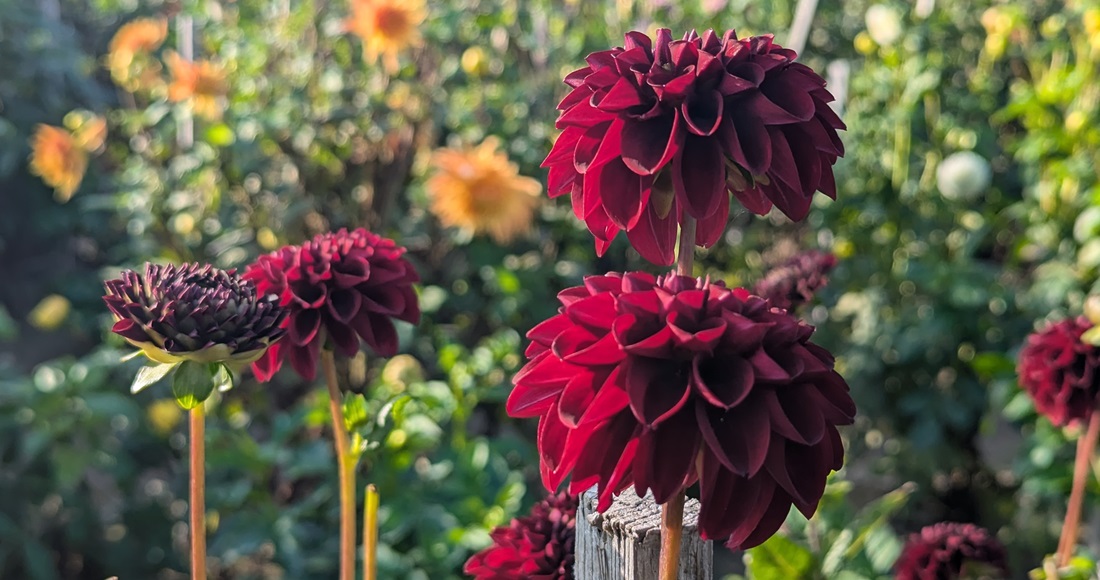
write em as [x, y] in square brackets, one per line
[1061, 372]
[797, 280]
[653, 132]
[339, 288]
[950, 550]
[662, 382]
[536, 547]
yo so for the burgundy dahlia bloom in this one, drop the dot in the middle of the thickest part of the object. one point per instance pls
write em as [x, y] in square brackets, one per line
[662, 382]
[339, 288]
[797, 280]
[654, 132]
[1061, 372]
[194, 313]
[949, 550]
[536, 547]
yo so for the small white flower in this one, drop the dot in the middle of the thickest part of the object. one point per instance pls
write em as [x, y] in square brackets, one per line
[883, 24]
[963, 176]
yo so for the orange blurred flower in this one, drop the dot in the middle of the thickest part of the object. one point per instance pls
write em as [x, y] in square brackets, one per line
[479, 190]
[129, 50]
[386, 27]
[58, 160]
[201, 82]
[88, 129]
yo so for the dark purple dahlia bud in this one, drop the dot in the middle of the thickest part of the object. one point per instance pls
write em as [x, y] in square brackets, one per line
[194, 313]
[653, 132]
[1061, 372]
[797, 280]
[539, 546]
[662, 382]
[949, 550]
[339, 288]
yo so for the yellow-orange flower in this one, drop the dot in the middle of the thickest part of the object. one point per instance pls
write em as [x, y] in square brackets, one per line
[127, 54]
[386, 27]
[88, 129]
[201, 82]
[58, 160]
[479, 190]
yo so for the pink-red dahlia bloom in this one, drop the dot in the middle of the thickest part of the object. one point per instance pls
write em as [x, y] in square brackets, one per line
[662, 382]
[950, 550]
[653, 132]
[339, 288]
[536, 547]
[797, 280]
[1061, 372]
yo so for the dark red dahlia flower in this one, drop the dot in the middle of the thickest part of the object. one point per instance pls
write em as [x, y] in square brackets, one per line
[536, 547]
[193, 313]
[653, 132]
[662, 382]
[949, 550]
[797, 280]
[1061, 372]
[339, 287]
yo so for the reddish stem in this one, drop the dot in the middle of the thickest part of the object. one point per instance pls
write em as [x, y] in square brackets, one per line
[344, 460]
[197, 420]
[1086, 446]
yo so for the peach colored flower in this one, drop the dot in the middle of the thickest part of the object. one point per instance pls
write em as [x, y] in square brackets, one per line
[58, 160]
[200, 82]
[387, 27]
[129, 51]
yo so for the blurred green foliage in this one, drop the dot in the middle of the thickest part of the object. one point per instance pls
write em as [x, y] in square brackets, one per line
[934, 291]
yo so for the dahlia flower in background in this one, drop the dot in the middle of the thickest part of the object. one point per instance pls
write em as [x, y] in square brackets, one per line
[386, 27]
[1060, 371]
[200, 83]
[129, 51]
[951, 550]
[655, 132]
[339, 288]
[479, 190]
[58, 160]
[662, 382]
[796, 281]
[538, 546]
[193, 313]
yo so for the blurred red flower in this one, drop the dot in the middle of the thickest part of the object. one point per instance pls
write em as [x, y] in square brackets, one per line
[662, 382]
[951, 550]
[1061, 372]
[654, 132]
[536, 547]
[339, 288]
[797, 280]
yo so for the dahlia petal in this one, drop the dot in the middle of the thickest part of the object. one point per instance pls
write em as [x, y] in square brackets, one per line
[703, 113]
[532, 396]
[578, 395]
[560, 180]
[564, 146]
[654, 237]
[624, 197]
[588, 145]
[343, 337]
[343, 305]
[753, 200]
[703, 339]
[622, 96]
[769, 113]
[605, 351]
[766, 368]
[807, 420]
[746, 141]
[351, 273]
[776, 465]
[308, 295]
[304, 326]
[769, 523]
[657, 389]
[130, 330]
[583, 114]
[731, 505]
[724, 380]
[610, 400]
[378, 332]
[269, 363]
[657, 345]
[827, 185]
[738, 438]
[809, 467]
[807, 159]
[699, 177]
[595, 313]
[647, 146]
[545, 331]
[665, 457]
[551, 444]
[709, 230]
[791, 93]
[303, 359]
[733, 84]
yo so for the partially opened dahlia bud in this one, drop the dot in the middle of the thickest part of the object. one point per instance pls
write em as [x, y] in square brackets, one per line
[538, 546]
[797, 280]
[195, 313]
[654, 132]
[1061, 372]
[952, 550]
[662, 382]
[339, 288]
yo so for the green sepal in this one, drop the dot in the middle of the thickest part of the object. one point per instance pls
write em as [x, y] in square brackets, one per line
[223, 378]
[194, 382]
[148, 376]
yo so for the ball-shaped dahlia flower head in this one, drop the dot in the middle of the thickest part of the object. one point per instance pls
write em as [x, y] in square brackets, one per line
[338, 288]
[795, 282]
[949, 550]
[194, 312]
[1060, 371]
[536, 547]
[654, 132]
[663, 382]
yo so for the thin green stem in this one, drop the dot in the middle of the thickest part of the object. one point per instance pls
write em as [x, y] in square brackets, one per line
[370, 534]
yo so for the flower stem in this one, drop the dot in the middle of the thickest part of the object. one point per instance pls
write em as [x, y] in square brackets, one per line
[197, 419]
[685, 260]
[1086, 445]
[672, 530]
[345, 462]
[370, 534]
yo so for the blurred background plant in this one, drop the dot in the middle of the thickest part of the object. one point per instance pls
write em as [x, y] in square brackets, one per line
[968, 209]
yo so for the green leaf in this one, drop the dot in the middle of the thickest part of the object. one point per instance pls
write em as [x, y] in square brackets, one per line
[395, 408]
[355, 410]
[779, 559]
[147, 376]
[193, 383]
[223, 378]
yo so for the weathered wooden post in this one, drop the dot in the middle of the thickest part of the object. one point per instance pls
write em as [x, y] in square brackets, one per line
[624, 543]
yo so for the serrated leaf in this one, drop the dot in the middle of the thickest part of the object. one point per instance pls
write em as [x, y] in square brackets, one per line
[779, 559]
[147, 376]
[193, 382]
